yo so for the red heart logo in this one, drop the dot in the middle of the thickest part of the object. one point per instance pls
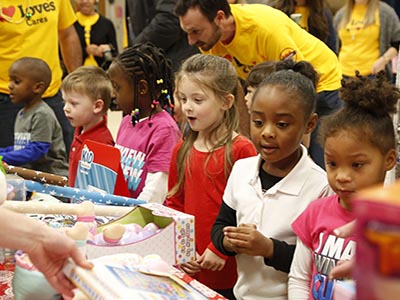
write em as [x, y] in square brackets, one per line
[8, 11]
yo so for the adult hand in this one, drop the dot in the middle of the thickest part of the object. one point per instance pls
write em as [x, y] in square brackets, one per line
[94, 50]
[49, 256]
[379, 65]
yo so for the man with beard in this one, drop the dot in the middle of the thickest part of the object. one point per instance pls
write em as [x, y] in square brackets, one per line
[247, 34]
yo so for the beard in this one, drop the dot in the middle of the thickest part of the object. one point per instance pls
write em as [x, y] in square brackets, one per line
[215, 37]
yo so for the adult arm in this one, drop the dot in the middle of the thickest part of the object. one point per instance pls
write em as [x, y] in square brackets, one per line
[71, 54]
[48, 249]
[300, 273]
[382, 61]
[389, 39]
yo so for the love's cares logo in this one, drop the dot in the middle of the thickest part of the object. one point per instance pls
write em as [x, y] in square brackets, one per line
[37, 12]
[7, 11]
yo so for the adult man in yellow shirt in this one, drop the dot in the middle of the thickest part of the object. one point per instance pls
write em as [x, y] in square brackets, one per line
[36, 28]
[248, 34]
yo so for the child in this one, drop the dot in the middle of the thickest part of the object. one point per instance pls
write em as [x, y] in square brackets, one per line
[142, 80]
[38, 138]
[264, 194]
[256, 75]
[207, 87]
[359, 143]
[87, 93]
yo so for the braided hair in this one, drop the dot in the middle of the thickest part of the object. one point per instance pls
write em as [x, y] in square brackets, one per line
[150, 63]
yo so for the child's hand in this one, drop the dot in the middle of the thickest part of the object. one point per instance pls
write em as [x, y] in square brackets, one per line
[246, 239]
[192, 267]
[211, 261]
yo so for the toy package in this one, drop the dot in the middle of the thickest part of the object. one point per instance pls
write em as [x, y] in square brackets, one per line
[130, 276]
[377, 270]
[148, 228]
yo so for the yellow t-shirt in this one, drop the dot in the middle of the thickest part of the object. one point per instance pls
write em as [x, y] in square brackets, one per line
[359, 45]
[305, 13]
[34, 37]
[264, 33]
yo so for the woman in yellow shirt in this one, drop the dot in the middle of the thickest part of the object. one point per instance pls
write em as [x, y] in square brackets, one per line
[96, 34]
[369, 33]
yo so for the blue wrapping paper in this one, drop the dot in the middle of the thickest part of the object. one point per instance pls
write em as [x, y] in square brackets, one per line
[79, 195]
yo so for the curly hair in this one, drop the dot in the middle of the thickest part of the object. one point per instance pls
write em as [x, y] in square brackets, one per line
[367, 112]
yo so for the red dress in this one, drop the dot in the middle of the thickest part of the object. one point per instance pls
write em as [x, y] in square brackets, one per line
[202, 197]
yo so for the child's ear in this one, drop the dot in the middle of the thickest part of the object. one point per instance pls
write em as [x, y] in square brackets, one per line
[38, 87]
[98, 106]
[229, 100]
[390, 159]
[311, 123]
[143, 87]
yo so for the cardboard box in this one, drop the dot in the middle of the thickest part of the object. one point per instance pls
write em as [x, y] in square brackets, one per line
[175, 243]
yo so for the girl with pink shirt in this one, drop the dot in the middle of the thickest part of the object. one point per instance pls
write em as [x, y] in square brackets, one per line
[359, 143]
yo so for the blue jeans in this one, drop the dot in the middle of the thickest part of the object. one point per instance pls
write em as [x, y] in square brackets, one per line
[327, 103]
[8, 114]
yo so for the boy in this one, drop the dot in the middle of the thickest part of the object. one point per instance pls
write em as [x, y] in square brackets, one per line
[87, 93]
[38, 138]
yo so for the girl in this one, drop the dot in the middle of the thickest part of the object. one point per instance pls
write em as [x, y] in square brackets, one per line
[264, 194]
[369, 33]
[141, 76]
[359, 145]
[206, 87]
[256, 75]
